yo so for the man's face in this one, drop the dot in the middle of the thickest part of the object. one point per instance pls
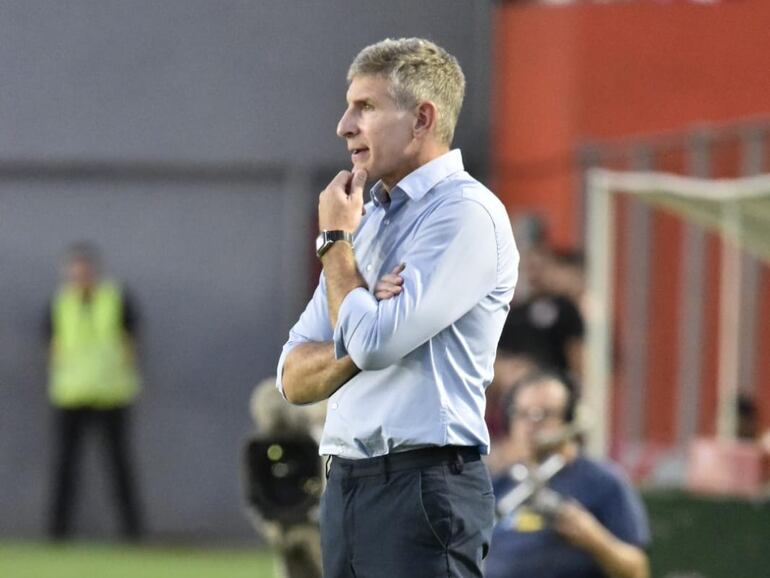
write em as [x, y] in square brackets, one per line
[538, 414]
[379, 135]
[80, 273]
[536, 264]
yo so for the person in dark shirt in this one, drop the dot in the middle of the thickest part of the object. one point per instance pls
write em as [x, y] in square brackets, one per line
[599, 530]
[544, 330]
[545, 327]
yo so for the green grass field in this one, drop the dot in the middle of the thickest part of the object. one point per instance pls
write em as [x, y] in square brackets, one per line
[29, 560]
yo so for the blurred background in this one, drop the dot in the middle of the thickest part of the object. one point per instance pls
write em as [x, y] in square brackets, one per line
[189, 141]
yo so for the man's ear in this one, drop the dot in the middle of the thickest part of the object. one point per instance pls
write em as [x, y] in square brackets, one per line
[426, 118]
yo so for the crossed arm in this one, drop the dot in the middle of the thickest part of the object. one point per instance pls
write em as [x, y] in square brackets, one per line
[311, 371]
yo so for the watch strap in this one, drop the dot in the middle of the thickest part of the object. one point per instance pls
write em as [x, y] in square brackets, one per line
[327, 238]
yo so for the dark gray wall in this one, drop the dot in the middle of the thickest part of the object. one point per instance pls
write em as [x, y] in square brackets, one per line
[201, 261]
[243, 97]
[209, 80]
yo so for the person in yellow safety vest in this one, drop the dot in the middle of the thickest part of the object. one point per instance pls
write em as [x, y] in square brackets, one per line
[93, 380]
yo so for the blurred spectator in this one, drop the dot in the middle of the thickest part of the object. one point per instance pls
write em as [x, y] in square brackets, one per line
[510, 368]
[595, 525]
[724, 465]
[567, 278]
[764, 445]
[545, 326]
[748, 425]
[91, 326]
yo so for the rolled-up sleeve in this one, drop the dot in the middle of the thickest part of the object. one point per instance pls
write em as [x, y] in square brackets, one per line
[353, 311]
[451, 266]
[313, 325]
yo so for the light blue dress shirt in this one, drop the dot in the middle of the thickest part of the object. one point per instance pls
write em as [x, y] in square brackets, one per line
[426, 356]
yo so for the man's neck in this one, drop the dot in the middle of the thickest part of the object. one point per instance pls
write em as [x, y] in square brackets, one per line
[85, 291]
[431, 152]
[426, 154]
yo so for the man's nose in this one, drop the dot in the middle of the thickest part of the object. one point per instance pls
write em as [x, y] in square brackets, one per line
[346, 127]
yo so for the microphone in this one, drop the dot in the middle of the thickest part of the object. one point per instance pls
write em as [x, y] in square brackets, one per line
[547, 441]
[531, 483]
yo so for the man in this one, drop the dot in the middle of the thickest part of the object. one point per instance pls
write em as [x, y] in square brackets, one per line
[546, 327]
[404, 361]
[600, 530]
[93, 380]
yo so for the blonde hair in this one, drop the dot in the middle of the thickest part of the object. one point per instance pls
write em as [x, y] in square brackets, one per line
[418, 70]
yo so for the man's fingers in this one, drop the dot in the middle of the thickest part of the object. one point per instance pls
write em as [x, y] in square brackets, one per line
[357, 183]
[387, 286]
[340, 183]
[392, 278]
[342, 180]
[390, 284]
[382, 294]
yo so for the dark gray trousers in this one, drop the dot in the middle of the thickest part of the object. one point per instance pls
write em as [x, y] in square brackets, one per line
[395, 517]
[112, 426]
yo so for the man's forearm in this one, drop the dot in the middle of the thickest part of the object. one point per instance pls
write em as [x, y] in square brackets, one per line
[618, 559]
[342, 276]
[311, 373]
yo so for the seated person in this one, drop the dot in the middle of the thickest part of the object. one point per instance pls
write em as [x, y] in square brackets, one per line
[598, 527]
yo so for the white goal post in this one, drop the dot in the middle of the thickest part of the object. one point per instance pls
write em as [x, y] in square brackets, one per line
[738, 209]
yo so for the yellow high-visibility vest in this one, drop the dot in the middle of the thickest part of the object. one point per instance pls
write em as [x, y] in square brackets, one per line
[89, 362]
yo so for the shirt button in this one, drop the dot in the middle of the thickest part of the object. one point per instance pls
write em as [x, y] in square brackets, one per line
[335, 405]
[387, 221]
[369, 267]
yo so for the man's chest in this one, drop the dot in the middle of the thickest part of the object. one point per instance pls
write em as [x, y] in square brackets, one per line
[384, 241]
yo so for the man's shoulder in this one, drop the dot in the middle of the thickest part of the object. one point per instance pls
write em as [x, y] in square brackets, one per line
[462, 185]
[462, 192]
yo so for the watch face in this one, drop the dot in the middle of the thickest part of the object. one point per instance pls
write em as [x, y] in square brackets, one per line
[327, 238]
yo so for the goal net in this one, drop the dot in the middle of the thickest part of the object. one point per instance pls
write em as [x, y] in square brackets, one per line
[678, 291]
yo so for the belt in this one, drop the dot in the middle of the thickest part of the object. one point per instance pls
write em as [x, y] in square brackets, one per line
[455, 456]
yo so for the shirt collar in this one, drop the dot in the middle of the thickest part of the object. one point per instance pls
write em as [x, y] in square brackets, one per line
[417, 183]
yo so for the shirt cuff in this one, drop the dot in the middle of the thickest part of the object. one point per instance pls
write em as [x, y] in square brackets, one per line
[353, 309]
[279, 371]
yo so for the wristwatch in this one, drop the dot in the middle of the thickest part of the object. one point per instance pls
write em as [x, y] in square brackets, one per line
[326, 239]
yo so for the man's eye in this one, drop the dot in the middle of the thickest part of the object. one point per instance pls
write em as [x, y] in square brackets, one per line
[367, 106]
